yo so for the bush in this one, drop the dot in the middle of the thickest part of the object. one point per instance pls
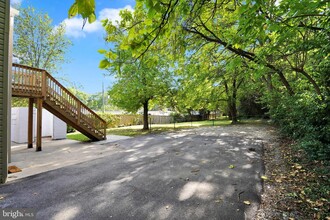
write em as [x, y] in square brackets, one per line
[250, 107]
[120, 120]
[305, 118]
[70, 129]
[178, 117]
[111, 120]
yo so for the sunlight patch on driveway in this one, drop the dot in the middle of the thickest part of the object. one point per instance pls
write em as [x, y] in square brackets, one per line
[197, 189]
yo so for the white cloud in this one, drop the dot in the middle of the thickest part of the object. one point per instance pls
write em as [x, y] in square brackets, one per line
[113, 14]
[74, 29]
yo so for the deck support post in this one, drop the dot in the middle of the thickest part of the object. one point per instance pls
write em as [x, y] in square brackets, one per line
[39, 123]
[30, 123]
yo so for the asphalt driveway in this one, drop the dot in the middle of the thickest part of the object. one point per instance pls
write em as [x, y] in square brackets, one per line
[204, 173]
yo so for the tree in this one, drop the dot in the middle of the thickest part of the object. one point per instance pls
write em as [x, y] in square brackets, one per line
[256, 31]
[285, 39]
[139, 81]
[282, 47]
[208, 83]
[82, 96]
[37, 43]
[100, 102]
[198, 89]
[138, 84]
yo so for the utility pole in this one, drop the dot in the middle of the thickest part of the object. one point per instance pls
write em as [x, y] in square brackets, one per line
[103, 99]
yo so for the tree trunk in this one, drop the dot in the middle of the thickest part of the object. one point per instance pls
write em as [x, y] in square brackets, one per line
[233, 107]
[268, 81]
[145, 115]
[232, 112]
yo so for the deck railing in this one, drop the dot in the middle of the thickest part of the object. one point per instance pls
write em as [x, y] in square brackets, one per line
[26, 81]
[33, 82]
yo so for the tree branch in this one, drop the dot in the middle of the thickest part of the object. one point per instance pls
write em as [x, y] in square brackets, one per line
[163, 22]
[250, 56]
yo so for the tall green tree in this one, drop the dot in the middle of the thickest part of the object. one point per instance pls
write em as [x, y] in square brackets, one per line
[281, 40]
[37, 42]
[282, 46]
[270, 34]
[140, 84]
[140, 81]
[211, 80]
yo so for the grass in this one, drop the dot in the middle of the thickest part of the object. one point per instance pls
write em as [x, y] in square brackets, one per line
[77, 136]
[136, 130]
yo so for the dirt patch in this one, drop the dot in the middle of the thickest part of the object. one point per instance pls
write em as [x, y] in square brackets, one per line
[294, 187]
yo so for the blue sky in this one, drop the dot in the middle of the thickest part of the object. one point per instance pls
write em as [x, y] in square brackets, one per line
[82, 69]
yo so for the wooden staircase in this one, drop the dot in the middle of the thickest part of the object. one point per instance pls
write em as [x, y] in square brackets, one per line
[38, 84]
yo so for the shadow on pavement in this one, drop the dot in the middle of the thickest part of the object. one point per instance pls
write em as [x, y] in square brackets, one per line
[204, 173]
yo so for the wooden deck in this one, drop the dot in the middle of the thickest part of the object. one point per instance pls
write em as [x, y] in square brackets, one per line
[46, 92]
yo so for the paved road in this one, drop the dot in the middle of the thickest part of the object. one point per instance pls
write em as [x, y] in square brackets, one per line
[203, 173]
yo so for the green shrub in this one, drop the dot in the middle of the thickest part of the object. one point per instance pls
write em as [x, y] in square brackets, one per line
[112, 120]
[305, 118]
[70, 129]
[178, 117]
[251, 107]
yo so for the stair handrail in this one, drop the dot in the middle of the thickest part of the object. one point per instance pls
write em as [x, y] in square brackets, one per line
[45, 84]
[73, 96]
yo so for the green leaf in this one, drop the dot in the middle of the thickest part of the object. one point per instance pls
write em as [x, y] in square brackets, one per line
[151, 12]
[148, 21]
[104, 64]
[91, 18]
[102, 51]
[86, 8]
[111, 55]
[124, 47]
[73, 11]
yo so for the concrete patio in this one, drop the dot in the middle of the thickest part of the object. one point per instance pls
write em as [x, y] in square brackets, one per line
[57, 154]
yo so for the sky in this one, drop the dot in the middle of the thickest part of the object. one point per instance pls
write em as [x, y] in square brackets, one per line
[82, 69]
